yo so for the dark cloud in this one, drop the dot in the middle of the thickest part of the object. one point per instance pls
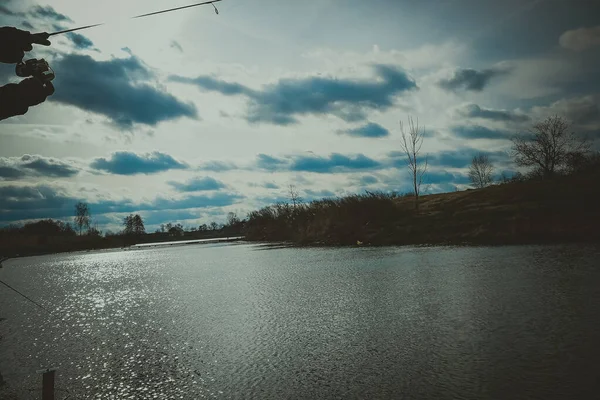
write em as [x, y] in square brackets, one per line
[480, 132]
[456, 158]
[270, 185]
[117, 88]
[29, 202]
[80, 41]
[128, 163]
[44, 201]
[281, 103]
[583, 112]
[198, 185]
[218, 199]
[48, 13]
[35, 166]
[368, 180]
[475, 111]
[27, 25]
[333, 163]
[7, 11]
[216, 85]
[266, 185]
[445, 177]
[270, 163]
[471, 79]
[370, 130]
[217, 166]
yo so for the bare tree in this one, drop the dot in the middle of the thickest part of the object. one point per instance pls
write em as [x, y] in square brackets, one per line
[294, 195]
[548, 146]
[480, 171]
[82, 216]
[232, 219]
[411, 145]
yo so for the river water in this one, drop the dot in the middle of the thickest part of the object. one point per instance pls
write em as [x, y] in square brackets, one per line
[244, 321]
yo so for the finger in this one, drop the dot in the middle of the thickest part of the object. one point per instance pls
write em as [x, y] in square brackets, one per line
[40, 38]
[27, 47]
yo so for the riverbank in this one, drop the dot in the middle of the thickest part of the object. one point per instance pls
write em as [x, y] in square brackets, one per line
[566, 209]
[35, 245]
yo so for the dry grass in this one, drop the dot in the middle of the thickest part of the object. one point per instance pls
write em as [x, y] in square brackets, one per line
[565, 209]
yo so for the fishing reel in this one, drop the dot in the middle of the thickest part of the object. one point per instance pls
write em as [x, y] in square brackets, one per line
[39, 69]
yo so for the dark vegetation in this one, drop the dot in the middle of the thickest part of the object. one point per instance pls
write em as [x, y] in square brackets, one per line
[53, 236]
[520, 210]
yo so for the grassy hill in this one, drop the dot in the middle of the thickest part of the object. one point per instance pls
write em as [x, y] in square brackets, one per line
[561, 210]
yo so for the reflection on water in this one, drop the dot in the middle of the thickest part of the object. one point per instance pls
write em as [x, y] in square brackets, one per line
[236, 321]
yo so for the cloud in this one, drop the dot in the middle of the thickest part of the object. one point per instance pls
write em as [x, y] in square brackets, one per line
[310, 195]
[370, 130]
[219, 199]
[118, 89]
[266, 185]
[470, 79]
[479, 132]
[456, 158]
[270, 163]
[7, 11]
[333, 163]
[80, 41]
[198, 184]
[282, 102]
[582, 111]
[35, 166]
[217, 166]
[443, 177]
[48, 13]
[216, 85]
[175, 45]
[43, 201]
[475, 111]
[29, 202]
[580, 39]
[128, 163]
[368, 180]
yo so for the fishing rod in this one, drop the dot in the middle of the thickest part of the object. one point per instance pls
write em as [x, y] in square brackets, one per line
[211, 2]
[40, 69]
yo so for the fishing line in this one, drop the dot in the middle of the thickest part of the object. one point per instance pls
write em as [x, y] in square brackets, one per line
[12, 288]
[211, 2]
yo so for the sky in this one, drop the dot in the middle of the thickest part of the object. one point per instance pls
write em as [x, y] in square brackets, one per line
[184, 117]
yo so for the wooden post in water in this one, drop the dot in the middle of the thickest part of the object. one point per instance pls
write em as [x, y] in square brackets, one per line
[47, 383]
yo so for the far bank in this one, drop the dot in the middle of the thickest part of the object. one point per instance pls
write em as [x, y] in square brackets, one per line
[565, 209]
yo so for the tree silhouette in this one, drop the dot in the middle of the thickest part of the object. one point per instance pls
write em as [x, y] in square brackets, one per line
[548, 146]
[411, 146]
[82, 216]
[480, 171]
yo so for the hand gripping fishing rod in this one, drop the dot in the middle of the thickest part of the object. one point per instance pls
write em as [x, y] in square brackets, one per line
[41, 70]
